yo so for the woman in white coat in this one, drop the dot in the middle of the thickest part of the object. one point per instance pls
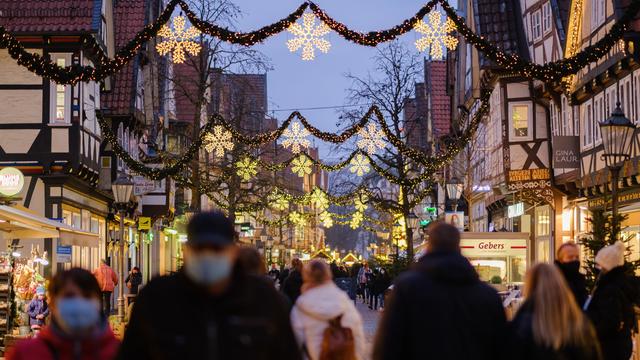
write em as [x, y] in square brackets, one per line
[321, 301]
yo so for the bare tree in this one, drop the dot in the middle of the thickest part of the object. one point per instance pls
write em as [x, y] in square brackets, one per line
[389, 86]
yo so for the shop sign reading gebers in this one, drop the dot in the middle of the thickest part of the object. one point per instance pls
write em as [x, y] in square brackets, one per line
[11, 182]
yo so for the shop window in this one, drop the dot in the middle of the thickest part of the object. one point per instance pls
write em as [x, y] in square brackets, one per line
[76, 220]
[542, 250]
[520, 124]
[60, 98]
[66, 217]
[543, 221]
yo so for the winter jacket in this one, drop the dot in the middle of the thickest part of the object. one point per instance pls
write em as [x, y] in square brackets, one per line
[441, 310]
[612, 312]
[380, 283]
[576, 281]
[173, 318]
[312, 312]
[52, 344]
[135, 279]
[107, 278]
[37, 307]
[292, 285]
[524, 347]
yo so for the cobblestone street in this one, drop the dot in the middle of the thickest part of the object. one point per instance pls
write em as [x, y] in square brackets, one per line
[370, 320]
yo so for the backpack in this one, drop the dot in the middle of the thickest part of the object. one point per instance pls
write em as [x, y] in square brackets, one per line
[337, 342]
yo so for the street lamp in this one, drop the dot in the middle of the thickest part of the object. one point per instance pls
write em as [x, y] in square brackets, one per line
[454, 190]
[122, 188]
[617, 134]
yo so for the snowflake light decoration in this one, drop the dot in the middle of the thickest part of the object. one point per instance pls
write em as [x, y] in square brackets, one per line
[296, 138]
[319, 199]
[301, 166]
[436, 35]
[219, 140]
[359, 165]
[296, 218]
[361, 204]
[278, 201]
[327, 220]
[178, 41]
[246, 168]
[309, 37]
[371, 139]
[356, 220]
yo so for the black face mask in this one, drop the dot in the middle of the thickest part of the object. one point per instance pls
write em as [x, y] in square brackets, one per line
[572, 266]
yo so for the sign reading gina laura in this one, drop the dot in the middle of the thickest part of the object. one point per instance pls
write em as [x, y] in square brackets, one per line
[566, 152]
[11, 181]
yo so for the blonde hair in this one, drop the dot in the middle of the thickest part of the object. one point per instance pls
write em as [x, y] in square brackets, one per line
[557, 321]
[317, 272]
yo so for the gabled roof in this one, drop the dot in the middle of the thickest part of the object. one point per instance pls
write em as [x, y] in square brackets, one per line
[128, 18]
[51, 16]
[500, 23]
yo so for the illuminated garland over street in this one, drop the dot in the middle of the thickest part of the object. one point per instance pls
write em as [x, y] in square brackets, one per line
[104, 67]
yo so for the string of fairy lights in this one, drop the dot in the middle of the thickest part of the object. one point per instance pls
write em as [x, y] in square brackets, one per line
[307, 37]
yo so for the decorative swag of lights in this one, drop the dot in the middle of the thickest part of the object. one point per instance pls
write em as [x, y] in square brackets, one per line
[435, 32]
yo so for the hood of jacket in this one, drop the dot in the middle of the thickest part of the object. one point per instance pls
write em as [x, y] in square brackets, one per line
[452, 268]
[323, 302]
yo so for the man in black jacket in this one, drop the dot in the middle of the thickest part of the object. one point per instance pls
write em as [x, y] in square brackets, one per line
[441, 310]
[568, 261]
[208, 310]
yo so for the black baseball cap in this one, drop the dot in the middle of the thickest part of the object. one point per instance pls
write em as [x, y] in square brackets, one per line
[210, 229]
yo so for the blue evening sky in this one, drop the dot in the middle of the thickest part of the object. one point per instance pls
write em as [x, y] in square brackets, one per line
[297, 84]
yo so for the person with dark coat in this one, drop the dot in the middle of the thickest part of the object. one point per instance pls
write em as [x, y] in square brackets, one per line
[210, 309]
[611, 307]
[441, 309]
[134, 280]
[293, 283]
[568, 261]
[38, 309]
[550, 325]
[274, 273]
[380, 285]
[284, 274]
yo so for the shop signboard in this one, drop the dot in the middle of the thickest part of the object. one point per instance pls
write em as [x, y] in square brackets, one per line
[455, 218]
[144, 223]
[142, 185]
[493, 247]
[566, 152]
[11, 181]
[63, 254]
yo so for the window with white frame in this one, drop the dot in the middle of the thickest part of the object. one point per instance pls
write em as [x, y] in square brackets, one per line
[554, 119]
[536, 24]
[520, 120]
[546, 17]
[587, 127]
[598, 13]
[467, 75]
[598, 109]
[60, 95]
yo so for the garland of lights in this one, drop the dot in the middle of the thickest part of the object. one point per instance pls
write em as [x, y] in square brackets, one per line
[104, 67]
[173, 169]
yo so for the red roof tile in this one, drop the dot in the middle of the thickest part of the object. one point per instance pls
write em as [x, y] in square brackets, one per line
[28, 16]
[129, 18]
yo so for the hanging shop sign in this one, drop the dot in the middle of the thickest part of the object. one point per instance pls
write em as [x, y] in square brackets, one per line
[144, 223]
[63, 254]
[11, 181]
[566, 152]
[625, 198]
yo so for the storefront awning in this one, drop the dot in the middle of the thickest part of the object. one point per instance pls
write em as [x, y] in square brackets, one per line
[17, 222]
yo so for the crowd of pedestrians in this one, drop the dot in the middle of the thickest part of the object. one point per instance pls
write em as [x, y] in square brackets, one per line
[226, 304]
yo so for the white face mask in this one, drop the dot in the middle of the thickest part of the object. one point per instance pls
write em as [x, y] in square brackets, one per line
[208, 269]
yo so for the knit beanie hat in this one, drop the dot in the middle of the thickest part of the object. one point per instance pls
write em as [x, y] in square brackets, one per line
[610, 257]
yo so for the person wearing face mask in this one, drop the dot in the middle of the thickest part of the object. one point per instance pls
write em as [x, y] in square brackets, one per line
[38, 310]
[78, 330]
[568, 261]
[210, 309]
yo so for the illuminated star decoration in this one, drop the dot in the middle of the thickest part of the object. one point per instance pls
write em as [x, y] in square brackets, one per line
[319, 199]
[359, 165]
[309, 37]
[178, 41]
[327, 220]
[356, 220]
[246, 168]
[296, 138]
[301, 166]
[371, 139]
[219, 140]
[361, 204]
[436, 35]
